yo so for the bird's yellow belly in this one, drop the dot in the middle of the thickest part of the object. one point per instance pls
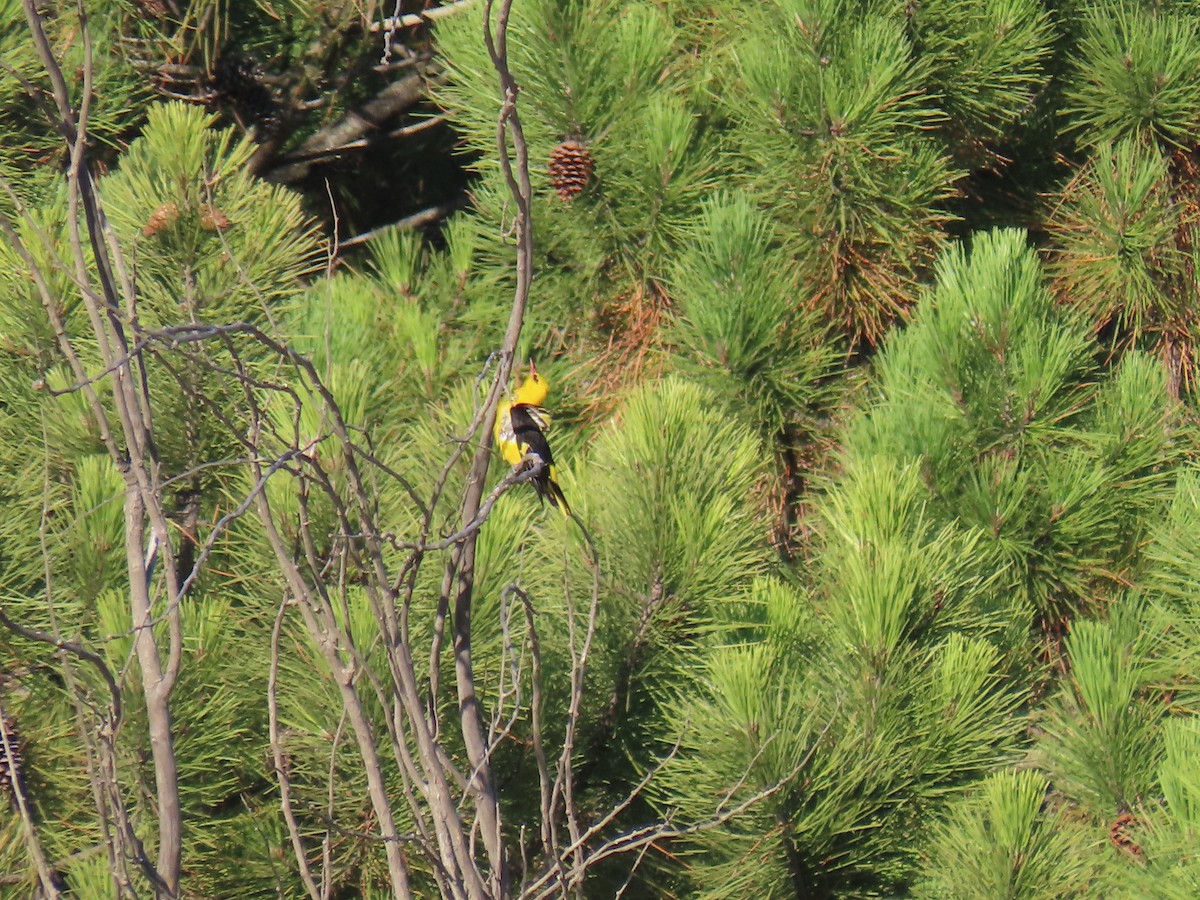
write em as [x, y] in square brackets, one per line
[506, 439]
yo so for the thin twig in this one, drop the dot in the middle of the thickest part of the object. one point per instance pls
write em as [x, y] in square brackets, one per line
[462, 565]
[33, 846]
[281, 764]
[76, 649]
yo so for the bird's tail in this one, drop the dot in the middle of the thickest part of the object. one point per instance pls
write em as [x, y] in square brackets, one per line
[555, 495]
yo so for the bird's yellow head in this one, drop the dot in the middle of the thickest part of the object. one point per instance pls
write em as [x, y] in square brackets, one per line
[534, 389]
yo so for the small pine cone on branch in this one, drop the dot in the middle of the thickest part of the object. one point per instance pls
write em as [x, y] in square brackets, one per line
[571, 167]
[10, 756]
[212, 219]
[161, 219]
[1119, 834]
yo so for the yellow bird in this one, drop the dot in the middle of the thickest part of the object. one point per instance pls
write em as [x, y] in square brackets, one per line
[521, 425]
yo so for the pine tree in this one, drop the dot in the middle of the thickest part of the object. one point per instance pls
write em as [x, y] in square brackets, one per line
[601, 81]
[1100, 737]
[992, 395]
[833, 99]
[32, 154]
[678, 533]
[998, 842]
[1135, 73]
[742, 325]
[965, 667]
[925, 583]
[1124, 226]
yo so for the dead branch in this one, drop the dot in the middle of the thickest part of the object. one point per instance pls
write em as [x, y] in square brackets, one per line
[461, 572]
[416, 220]
[410, 20]
[131, 400]
[281, 764]
[32, 845]
[362, 143]
[354, 125]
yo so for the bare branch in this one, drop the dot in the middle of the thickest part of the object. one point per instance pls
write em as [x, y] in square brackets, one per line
[321, 153]
[549, 833]
[76, 649]
[131, 400]
[411, 20]
[321, 625]
[461, 572]
[389, 102]
[416, 220]
[281, 765]
[649, 834]
[32, 845]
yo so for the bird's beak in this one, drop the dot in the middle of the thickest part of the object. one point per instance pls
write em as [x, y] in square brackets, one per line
[532, 367]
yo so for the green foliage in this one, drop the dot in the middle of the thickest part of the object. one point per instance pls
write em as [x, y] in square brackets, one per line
[666, 495]
[997, 574]
[1100, 736]
[210, 244]
[989, 393]
[891, 571]
[744, 724]
[582, 62]
[987, 62]
[98, 529]
[24, 322]
[1169, 831]
[1165, 818]
[209, 241]
[999, 842]
[1170, 583]
[1118, 256]
[203, 24]
[32, 153]
[835, 102]
[600, 73]
[851, 761]
[1135, 74]
[1174, 553]
[64, 569]
[743, 327]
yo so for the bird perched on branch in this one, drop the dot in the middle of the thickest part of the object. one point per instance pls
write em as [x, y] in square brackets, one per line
[521, 432]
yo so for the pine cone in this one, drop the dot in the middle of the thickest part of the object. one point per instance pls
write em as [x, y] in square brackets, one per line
[1118, 833]
[10, 757]
[571, 166]
[212, 219]
[161, 219]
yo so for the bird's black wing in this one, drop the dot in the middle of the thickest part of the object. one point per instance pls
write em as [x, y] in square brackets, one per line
[527, 424]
